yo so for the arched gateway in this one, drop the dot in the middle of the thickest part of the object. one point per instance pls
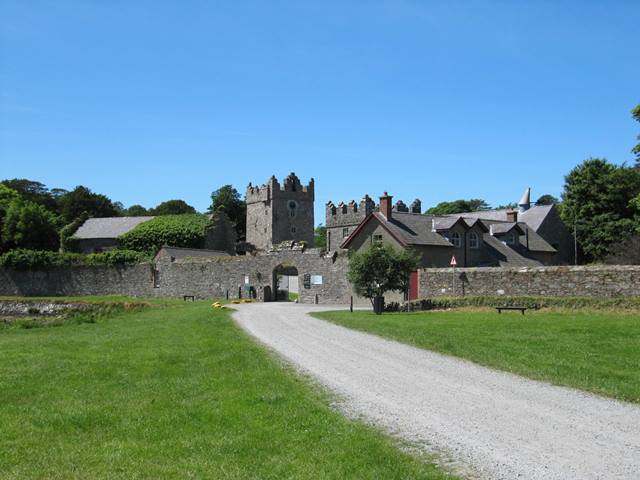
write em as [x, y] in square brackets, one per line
[284, 283]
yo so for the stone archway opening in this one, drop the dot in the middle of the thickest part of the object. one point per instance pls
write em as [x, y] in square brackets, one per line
[285, 283]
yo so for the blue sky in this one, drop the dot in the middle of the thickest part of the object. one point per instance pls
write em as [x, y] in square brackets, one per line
[151, 100]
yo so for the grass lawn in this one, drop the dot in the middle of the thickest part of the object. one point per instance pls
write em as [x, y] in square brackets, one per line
[173, 392]
[594, 351]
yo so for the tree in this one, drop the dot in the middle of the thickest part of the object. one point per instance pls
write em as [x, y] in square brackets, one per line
[380, 269]
[320, 237]
[547, 200]
[228, 200]
[597, 201]
[81, 199]
[136, 211]
[459, 206]
[173, 207]
[30, 225]
[507, 206]
[33, 191]
[636, 114]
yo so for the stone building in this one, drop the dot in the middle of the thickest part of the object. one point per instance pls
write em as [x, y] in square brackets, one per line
[97, 235]
[278, 213]
[531, 236]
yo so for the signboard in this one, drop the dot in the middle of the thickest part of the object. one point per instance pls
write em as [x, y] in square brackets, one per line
[453, 261]
[316, 279]
[246, 279]
[306, 282]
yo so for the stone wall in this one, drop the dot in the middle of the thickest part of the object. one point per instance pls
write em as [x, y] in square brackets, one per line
[583, 281]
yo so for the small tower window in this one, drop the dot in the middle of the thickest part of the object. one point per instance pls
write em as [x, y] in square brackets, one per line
[292, 208]
[345, 232]
[293, 230]
[474, 241]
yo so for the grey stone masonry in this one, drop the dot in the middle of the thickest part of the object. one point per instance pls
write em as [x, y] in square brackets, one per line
[342, 219]
[580, 281]
[277, 213]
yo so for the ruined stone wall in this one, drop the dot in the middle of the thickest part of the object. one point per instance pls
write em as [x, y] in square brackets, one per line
[582, 281]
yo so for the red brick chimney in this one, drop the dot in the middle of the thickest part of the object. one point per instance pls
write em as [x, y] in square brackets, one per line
[386, 205]
[512, 216]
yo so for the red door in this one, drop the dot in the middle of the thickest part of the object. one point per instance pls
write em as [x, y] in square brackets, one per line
[413, 286]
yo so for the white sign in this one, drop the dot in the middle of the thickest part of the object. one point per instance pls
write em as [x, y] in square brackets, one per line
[453, 261]
[316, 279]
[246, 279]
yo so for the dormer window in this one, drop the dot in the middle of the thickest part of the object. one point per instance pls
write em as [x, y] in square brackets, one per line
[456, 240]
[510, 238]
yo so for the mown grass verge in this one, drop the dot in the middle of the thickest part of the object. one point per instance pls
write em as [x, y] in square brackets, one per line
[173, 393]
[590, 350]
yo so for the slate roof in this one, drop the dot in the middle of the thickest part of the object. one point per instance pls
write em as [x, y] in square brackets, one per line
[414, 229]
[108, 227]
[532, 217]
[506, 255]
[499, 228]
[178, 253]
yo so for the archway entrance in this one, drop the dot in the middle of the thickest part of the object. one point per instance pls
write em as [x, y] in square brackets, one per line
[285, 283]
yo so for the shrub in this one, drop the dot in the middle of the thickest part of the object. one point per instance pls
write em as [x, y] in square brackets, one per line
[440, 303]
[174, 230]
[23, 259]
[67, 241]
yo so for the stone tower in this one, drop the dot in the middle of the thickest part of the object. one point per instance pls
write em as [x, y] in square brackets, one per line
[342, 220]
[276, 213]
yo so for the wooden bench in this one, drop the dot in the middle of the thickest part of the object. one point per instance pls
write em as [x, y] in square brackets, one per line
[191, 297]
[522, 309]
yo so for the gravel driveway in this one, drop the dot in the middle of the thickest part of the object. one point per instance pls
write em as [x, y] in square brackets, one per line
[499, 425]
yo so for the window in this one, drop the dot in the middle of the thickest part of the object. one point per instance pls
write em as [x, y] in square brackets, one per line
[474, 240]
[456, 240]
[292, 208]
[510, 239]
[377, 239]
[345, 232]
[329, 241]
[156, 278]
[293, 229]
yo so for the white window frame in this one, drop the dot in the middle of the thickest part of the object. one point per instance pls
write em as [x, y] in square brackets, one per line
[345, 232]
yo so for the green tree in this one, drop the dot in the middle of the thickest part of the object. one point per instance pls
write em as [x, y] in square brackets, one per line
[320, 237]
[636, 114]
[380, 269]
[228, 200]
[33, 191]
[459, 206]
[547, 200]
[507, 206]
[81, 199]
[173, 207]
[597, 201]
[29, 225]
[136, 211]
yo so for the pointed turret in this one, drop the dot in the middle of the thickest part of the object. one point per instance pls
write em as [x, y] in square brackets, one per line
[525, 202]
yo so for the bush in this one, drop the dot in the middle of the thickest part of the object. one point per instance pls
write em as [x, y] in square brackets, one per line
[67, 242]
[185, 231]
[23, 259]
[596, 303]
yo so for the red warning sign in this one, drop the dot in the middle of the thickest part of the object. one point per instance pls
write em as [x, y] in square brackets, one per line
[453, 261]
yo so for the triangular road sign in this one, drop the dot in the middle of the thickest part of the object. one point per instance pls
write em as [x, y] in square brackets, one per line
[453, 261]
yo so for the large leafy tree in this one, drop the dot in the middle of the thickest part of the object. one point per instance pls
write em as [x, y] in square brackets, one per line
[636, 149]
[228, 200]
[597, 201]
[380, 269]
[33, 191]
[547, 200]
[30, 225]
[459, 206]
[81, 199]
[173, 207]
[136, 211]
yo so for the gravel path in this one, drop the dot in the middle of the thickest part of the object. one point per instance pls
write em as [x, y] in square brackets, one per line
[501, 425]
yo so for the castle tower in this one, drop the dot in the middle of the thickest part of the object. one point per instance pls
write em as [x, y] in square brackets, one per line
[342, 220]
[276, 213]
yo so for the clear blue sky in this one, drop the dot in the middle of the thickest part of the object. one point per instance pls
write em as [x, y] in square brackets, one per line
[151, 100]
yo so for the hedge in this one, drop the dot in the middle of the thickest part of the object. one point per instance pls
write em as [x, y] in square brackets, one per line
[185, 231]
[23, 259]
[533, 302]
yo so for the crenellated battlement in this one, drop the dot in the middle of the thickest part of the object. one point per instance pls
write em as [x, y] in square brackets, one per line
[351, 213]
[291, 188]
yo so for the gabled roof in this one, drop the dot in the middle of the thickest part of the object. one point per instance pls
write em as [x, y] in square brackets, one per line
[505, 255]
[533, 217]
[405, 228]
[500, 228]
[108, 227]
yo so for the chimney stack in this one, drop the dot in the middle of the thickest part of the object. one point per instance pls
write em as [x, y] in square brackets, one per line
[385, 205]
[512, 216]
